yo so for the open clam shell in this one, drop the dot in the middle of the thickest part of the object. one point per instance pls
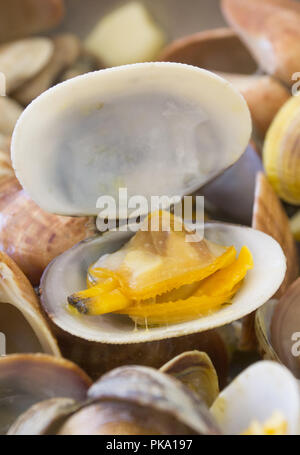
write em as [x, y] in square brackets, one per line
[116, 334]
[67, 274]
[196, 371]
[264, 388]
[21, 320]
[26, 379]
[75, 155]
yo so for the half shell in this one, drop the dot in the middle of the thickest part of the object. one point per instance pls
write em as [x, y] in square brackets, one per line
[21, 320]
[66, 152]
[196, 371]
[67, 274]
[114, 337]
[258, 392]
[27, 379]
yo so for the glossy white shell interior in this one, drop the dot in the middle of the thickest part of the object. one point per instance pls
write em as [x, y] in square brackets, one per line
[258, 392]
[153, 128]
[67, 274]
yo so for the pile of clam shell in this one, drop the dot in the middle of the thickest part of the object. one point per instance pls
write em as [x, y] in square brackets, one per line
[216, 114]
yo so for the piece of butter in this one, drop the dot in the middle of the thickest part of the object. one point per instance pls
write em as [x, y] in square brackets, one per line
[126, 35]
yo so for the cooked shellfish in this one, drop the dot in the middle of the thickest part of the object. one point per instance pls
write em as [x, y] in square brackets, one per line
[264, 400]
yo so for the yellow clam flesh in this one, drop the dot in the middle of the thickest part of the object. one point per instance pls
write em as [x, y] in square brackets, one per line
[154, 285]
